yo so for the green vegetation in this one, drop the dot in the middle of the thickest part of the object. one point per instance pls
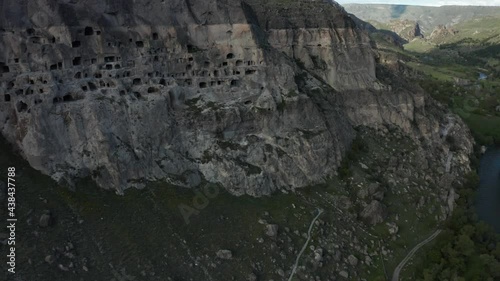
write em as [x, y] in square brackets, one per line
[358, 148]
[420, 46]
[466, 249]
[447, 66]
[475, 105]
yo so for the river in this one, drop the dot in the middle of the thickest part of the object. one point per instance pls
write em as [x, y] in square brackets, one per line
[488, 194]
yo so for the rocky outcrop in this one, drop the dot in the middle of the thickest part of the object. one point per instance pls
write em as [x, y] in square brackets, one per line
[406, 29]
[320, 37]
[374, 212]
[441, 32]
[256, 96]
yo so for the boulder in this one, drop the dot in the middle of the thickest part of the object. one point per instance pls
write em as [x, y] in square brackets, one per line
[50, 259]
[367, 191]
[318, 255]
[393, 228]
[352, 260]
[374, 213]
[224, 254]
[45, 220]
[252, 277]
[272, 230]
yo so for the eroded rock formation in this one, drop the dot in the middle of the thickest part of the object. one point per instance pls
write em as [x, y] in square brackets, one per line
[255, 95]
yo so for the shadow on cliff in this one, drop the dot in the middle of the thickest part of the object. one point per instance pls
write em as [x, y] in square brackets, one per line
[388, 35]
[397, 11]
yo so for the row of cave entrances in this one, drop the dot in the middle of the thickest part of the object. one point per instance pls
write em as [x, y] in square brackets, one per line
[66, 98]
[137, 81]
[89, 31]
[78, 61]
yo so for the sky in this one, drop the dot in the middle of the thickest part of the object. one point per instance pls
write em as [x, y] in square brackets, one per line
[426, 2]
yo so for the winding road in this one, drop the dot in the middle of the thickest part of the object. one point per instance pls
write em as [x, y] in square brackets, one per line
[395, 275]
[320, 211]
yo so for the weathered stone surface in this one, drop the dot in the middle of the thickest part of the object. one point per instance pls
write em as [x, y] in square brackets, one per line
[318, 255]
[392, 227]
[252, 277]
[224, 254]
[50, 259]
[369, 190]
[272, 230]
[374, 213]
[253, 96]
[352, 260]
[45, 220]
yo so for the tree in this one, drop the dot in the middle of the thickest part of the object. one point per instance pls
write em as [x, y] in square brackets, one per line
[491, 264]
[465, 245]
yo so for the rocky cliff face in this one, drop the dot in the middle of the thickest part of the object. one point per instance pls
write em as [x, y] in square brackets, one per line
[254, 95]
[407, 29]
[441, 32]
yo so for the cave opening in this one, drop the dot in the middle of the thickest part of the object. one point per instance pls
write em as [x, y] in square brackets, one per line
[77, 61]
[88, 31]
[21, 106]
[68, 97]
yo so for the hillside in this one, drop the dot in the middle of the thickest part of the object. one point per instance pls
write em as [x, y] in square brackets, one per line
[427, 17]
[457, 61]
[459, 51]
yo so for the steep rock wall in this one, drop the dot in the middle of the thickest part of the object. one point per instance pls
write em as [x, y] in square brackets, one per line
[186, 91]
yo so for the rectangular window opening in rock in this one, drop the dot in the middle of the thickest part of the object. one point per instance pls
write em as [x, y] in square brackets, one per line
[77, 61]
[5, 68]
[88, 31]
[68, 97]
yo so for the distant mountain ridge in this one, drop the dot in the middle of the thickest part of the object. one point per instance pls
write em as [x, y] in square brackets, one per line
[427, 17]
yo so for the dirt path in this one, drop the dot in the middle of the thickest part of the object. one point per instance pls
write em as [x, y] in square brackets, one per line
[305, 244]
[395, 275]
